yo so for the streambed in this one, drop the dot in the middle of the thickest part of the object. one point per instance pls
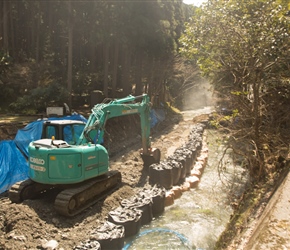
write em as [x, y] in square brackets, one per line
[200, 215]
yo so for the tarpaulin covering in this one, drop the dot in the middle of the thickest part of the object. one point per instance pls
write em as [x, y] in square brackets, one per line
[13, 165]
[28, 134]
[156, 116]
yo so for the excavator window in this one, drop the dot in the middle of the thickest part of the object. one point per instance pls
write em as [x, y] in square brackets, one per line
[66, 132]
[52, 131]
[71, 133]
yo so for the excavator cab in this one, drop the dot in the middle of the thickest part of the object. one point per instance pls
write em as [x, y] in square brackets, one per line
[66, 130]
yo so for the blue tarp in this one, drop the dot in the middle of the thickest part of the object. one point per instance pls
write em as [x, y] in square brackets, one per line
[156, 116]
[13, 165]
[31, 132]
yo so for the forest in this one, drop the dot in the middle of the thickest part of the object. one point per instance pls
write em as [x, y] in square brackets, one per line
[62, 51]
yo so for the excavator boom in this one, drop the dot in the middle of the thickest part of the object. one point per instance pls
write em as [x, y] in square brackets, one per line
[94, 130]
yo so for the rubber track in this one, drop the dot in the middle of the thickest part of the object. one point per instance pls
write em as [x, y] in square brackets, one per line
[27, 189]
[15, 192]
[87, 194]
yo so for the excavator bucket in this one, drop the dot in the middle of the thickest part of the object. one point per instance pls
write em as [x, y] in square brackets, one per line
[153, 156]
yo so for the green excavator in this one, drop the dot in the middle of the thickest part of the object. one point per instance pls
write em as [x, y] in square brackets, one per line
[81, 171]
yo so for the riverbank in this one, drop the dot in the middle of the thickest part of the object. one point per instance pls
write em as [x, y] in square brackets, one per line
[261, 220]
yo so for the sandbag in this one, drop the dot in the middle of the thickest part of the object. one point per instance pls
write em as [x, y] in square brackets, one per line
[176, 170]
[142, 202]
[109, 235]
[88, 244]
[130, 218]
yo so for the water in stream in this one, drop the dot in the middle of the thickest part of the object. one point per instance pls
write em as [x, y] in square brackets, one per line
[197, 219]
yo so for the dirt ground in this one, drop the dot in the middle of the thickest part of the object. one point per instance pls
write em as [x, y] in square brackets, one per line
[33, 223]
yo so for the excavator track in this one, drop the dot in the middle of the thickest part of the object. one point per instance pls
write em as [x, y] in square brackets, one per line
[72, 201]
[24, 190]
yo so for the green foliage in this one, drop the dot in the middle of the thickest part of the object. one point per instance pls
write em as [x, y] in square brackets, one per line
[6, 90]
[5, 62]
[238, 93]
[220, 120]
[39, 98]
[243, 47]
[230, 39]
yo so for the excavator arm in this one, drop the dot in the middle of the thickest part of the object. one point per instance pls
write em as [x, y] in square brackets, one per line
[94, 129]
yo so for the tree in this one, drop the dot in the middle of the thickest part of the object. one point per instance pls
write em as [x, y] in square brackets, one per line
[243, 47]
[89, 45]
[70, 53]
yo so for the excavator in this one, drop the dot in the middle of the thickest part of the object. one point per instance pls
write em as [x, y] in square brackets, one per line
[81, 170]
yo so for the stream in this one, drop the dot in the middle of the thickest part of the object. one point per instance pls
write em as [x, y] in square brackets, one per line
[199, 216]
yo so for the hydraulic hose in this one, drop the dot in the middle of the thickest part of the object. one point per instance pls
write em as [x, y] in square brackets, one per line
[161, 230]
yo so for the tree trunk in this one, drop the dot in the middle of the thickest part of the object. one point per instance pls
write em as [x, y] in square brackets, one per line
[150, 79]
[156, 87]
[2, 22]
[12, 36]
[106, 68]
[138, 75]
[37, 47]
[126, 84]
[5, 27]
[115, 68]
[70, 54]
[93, 57]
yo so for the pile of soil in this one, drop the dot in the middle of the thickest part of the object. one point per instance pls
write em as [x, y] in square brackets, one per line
[34, 224]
